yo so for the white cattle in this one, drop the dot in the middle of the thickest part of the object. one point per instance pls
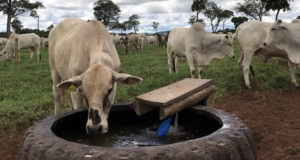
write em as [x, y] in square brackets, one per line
[198, 46]
[286, 36]
[44, 42]
[82, 56]
[28, 41]
[250, 36]
[117, 40]
[151, 40]
[3, 42]
[141, 38]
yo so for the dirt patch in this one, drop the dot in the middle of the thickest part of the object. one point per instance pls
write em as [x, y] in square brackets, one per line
[10, 140]
[273, 118]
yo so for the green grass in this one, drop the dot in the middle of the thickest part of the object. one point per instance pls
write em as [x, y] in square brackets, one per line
[26, 93]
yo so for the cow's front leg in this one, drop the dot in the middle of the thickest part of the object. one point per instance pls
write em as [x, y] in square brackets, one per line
[31, 53]
[77, 98]
[190, 60]
[176, 64]
[56, 91]
[199, 68]
[292, 68]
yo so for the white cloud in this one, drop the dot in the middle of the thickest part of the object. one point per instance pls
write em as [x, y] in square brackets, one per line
[169, 13]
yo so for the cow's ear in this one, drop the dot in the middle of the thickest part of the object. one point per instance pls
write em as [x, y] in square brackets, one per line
[72, 82]
[125, 78]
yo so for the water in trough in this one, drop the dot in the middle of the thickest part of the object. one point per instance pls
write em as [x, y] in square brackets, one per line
[126, 129]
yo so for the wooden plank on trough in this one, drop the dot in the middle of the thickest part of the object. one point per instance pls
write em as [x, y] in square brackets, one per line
[187, 102]
[141, 108]
[174, 92]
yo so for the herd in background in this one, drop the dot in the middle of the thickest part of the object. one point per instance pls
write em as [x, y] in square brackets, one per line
[137, 41]
[195, 44]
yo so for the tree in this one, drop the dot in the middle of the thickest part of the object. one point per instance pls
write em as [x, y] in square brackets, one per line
[213, 13]
[16, 25]
[133, 22]
[50, 27]
[226, 14]
[277, 6]
[298, 17]
[253, 8]
[155, 26]
[35, 15]
[14, 8]
[238, 20]
[198, 6]
[107, 12]
[193, 20]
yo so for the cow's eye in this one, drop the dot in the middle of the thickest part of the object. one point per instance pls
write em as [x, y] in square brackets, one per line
[229, 44]
[273, 29]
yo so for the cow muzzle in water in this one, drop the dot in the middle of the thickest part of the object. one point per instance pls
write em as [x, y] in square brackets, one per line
[96, 124]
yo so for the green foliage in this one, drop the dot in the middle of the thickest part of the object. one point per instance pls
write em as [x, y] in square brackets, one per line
[277, 5]
[238, 20]
[133, 22]
[107, 12]
[198, 6]
[212, 12]
[26, 94]
[193, 19]
[155, 26]
[14, 8]
[40, 33]
[16, 25]
[253, 8]
[225, 15]
[50, 27]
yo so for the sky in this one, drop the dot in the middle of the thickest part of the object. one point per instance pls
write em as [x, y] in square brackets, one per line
[169, 13]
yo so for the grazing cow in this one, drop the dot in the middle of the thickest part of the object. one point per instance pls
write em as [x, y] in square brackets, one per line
[198, 46]
[82, 56]
[44, 43]
[141, 38]
[132, 41]
[117, 40]
[286, 36]
[151, 40]
[28, 41]
[3, 42]
[250, 36]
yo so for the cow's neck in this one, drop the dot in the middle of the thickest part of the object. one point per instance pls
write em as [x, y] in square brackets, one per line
[101, 59]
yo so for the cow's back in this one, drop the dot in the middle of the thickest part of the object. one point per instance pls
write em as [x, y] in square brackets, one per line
[251, 34]
[176, 41]
[74, 43]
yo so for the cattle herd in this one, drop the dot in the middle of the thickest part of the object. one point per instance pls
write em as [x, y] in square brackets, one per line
[82, 55]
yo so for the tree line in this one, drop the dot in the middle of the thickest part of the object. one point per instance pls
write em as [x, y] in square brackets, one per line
[254, 9]
[108, 13]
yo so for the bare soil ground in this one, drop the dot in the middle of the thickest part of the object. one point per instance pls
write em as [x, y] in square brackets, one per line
[273, 117]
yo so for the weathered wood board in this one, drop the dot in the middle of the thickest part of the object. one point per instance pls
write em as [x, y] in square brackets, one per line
[175, 97]
[174, 92]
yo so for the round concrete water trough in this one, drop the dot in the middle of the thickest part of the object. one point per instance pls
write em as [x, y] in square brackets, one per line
[227, 138]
